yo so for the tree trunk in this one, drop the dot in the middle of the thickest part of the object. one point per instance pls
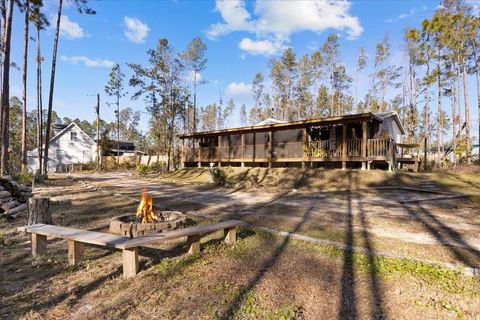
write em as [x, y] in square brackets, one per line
[39, 106]
[454, 121]
[25, 66]
[118, 131]
[439, 115]
[5, 90]
[39, 211]
[2, 32]
[467, 114]
[52, 84]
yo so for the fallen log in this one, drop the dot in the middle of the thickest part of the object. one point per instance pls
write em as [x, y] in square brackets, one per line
[17, 209]
[5, 194]
[9, 205]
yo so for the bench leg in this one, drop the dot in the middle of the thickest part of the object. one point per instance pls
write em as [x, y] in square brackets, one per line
[39, 244]
[230, 235]
[75, 252]
[194, 244]
[130, 262]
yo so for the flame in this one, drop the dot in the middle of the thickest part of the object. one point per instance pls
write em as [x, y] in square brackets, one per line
[145, 209]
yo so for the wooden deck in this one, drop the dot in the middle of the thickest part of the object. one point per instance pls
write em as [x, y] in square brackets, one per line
[350, 150]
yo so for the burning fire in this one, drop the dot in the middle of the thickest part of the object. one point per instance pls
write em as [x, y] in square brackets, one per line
[145, 209]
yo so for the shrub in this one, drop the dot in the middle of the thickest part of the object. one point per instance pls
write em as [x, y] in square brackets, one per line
[23, 177]
[142, 169]
[219, 177]
[153, 168]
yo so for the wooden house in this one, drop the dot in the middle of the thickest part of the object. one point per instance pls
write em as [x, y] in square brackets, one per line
[353, 141]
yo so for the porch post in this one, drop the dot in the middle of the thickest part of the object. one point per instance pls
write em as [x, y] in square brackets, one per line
[270, 148]
[243, 150]
[304, 143]
[199, 153]
[218, 153]
[364, 144]
[344, 146]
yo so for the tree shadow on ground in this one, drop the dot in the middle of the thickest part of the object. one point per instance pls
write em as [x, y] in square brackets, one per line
[266, 266]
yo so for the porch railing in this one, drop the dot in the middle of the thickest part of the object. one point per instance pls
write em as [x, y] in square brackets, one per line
[319, 149]
[379, 147]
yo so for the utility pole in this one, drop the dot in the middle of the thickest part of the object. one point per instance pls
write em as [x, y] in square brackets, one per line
[118, 131]
[99, 154]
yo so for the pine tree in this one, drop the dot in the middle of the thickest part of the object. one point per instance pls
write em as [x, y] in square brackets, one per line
[361, 63]
[243, 115]
[196, 62]
[331, 54]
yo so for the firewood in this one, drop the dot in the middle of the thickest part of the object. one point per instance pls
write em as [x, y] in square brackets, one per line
[17, 209]
[5, 194]
[9, 205]
[5, 200]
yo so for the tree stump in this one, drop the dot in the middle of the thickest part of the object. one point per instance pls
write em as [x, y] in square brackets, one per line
[39, 211]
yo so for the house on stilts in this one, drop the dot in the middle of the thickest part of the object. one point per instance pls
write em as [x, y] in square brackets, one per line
[364, 140]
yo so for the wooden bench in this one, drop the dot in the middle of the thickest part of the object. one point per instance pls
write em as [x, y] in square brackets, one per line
[77, 238]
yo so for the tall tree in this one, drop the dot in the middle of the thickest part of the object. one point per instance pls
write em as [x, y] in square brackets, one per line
[361, 63]
[24, 79]
[165, 75]
[243, 115]
[81, 7]
[303, 96]
[257, 90]
[40, 22]
[196, 62]
[341, 83]
[331, 54]
[290, 72]
[115, 88]
[385, 74]
[5, 105]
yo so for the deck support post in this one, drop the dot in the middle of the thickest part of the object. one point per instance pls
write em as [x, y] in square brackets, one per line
[270, 148]
[368, 164]
[193, 242]
[199, 164]
[363, 165]
[75, 252]
[230, 235]
[130, 262]
[304, 165]
[344, 165]
[39, 244]
[242, 164]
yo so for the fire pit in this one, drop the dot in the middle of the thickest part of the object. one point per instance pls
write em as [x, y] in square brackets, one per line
[147, 220]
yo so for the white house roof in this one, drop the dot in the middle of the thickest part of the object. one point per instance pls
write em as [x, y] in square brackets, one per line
[387, 114]
[269, 121]
[66, 129]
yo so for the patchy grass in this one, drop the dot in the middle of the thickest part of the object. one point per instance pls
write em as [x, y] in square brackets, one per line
[259, 277]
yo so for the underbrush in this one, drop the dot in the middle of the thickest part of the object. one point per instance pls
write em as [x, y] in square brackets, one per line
[23, 177]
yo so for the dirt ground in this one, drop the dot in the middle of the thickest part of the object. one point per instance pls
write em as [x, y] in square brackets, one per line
[262, 276]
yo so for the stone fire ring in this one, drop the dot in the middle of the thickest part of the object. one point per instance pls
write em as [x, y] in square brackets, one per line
[121, 225]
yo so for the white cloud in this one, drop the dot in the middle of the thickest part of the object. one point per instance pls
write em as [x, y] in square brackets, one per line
[136, 31]
[277, 21]
[238, 89]
[260, 47]
[408, 14]
[70, 29]
[92, 63]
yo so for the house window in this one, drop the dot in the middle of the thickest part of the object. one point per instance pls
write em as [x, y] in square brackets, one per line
[73, 136]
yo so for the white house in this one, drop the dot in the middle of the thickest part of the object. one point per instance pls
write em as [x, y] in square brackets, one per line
[69, 145]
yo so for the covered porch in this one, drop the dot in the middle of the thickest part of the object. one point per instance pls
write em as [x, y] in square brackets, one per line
[347, 141]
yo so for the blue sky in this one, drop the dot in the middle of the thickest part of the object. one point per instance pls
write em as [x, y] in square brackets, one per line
[241, 38]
